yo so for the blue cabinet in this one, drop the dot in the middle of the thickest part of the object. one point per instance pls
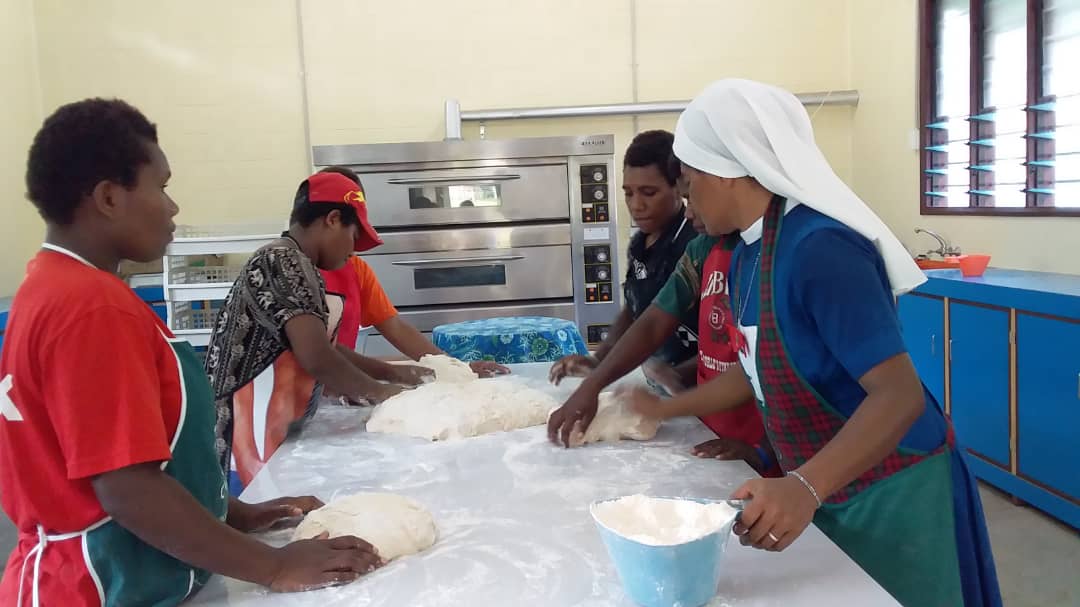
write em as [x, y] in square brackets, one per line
[923, 322]
[979, 379]
[1048, 402]
[1012, 366]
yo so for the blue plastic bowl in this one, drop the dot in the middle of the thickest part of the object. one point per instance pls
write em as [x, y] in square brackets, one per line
[683, 575]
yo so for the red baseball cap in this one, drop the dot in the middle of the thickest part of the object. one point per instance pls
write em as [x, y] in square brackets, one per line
[335, 188]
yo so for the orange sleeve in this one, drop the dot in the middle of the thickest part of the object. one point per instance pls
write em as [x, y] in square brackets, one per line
[375, 306]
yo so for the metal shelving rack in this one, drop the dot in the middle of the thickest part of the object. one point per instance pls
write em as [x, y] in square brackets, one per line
[191, 289]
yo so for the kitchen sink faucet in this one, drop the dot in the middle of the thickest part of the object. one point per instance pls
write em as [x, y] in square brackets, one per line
[944, 250]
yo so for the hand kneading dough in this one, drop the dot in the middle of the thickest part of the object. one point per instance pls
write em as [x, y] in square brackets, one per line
[615, 421]
[394, 524]
[442, 410]
[447, 368]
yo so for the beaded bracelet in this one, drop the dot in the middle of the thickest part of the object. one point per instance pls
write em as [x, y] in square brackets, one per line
[809, 487]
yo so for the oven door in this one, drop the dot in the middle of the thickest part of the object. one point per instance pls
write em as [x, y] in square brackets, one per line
[482, 195]
[470, 276]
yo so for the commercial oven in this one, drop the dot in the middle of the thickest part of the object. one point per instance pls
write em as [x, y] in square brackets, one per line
[487, 229]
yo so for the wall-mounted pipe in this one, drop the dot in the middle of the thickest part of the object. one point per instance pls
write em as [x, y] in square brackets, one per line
[305, 106]
[455, 116]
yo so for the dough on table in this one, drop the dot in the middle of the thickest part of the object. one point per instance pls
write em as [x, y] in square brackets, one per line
[448, 368]
[615, 421]
[443, 410]
[394, 524]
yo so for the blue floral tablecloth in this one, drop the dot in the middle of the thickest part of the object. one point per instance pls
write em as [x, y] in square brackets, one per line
[527, 339]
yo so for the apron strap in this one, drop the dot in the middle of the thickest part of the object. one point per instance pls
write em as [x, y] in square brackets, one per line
[22, 571]
[38, 550]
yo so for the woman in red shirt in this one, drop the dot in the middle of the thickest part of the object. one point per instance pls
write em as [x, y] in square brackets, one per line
[123, 501]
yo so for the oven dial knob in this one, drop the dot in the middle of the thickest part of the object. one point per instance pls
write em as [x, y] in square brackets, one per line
[602, 275]
[598, 194]
[601, 256]
[598, 176]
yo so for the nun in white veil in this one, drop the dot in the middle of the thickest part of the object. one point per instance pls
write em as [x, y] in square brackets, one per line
[868, 454]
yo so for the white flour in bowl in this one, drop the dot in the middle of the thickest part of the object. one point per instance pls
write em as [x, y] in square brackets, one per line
[658, 521]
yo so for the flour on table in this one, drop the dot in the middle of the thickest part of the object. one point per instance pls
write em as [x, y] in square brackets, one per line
[662, 521]
[615, 421]
[443, 410]
[394, 524]
[447, 368]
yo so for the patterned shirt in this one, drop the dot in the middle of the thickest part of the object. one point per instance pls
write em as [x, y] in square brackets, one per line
[276, 285]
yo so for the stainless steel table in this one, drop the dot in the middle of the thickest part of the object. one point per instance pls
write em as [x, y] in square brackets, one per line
[512, 513]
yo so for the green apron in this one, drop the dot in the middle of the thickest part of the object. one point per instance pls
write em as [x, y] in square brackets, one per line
[897, 519]
[902, 532]
[130, 571]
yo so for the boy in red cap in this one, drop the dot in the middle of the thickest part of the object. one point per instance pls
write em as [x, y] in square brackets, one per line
[365, 303]
[107, 459]
[273, 346]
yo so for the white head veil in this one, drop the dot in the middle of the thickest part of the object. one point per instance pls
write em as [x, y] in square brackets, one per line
[739, 128]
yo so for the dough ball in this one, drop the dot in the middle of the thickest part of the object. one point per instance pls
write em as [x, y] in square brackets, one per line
[448, 369]
[614, 421]
[445, 410]
[394, 524]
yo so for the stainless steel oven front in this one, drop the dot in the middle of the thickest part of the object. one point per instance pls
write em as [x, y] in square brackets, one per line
[474, 265]
[485, 229]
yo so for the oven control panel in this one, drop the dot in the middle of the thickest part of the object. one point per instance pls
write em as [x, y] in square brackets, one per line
[595, 242]
[599, 275]
[596, 334]
[595, 193]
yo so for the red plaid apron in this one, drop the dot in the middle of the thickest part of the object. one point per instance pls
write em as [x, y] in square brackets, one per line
[798, 420]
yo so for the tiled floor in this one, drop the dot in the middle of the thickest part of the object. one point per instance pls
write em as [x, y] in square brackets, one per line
[1038, 559]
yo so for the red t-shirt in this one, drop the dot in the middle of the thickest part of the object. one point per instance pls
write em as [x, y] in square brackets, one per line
[364, 302]
[716, 352]
[88, 385]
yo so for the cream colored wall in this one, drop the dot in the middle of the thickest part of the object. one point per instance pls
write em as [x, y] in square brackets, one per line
[389, 84]
[886, 167]
[220, 79]
[223, 80]
[20, 228]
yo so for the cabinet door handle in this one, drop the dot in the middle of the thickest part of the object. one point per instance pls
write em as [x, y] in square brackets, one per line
[950, 350]
[933, 347]
[1078, 386]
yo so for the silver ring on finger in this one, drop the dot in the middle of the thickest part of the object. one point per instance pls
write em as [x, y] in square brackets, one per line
[772, 537]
